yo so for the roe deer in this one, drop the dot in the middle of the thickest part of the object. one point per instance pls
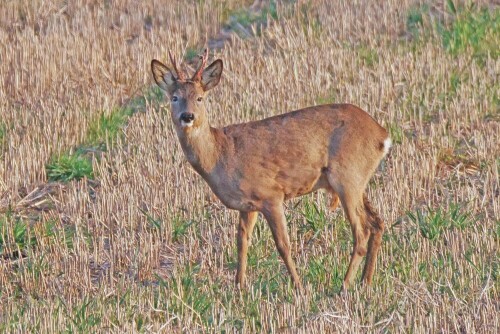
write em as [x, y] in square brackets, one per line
[253, 167]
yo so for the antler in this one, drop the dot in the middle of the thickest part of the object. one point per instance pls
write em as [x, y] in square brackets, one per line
[180, 74]
[203, 57]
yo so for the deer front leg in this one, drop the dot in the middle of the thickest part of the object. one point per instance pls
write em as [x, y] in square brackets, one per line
[277, 222]
[245, 228]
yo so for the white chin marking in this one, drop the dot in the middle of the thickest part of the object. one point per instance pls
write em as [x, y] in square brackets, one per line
[186, 124]
[387, 145]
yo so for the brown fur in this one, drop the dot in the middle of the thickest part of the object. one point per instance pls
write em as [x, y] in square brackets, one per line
[253, 167]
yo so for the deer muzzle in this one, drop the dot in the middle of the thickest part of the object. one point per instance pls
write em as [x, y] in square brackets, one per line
[187, 119]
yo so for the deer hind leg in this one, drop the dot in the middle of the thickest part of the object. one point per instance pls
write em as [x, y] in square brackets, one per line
[357, 218]
[277, 223]
[245, 228]
[335, 201]
[377, 230]
[352, 202]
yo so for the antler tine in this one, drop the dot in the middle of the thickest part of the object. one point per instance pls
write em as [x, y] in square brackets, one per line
[179, 73]
[203, 57]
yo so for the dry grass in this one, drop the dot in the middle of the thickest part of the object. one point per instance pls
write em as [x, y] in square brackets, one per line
[146, 246]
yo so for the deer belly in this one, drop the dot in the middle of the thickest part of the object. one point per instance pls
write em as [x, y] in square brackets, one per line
[301, 183]
[234, 198]
[305, 188]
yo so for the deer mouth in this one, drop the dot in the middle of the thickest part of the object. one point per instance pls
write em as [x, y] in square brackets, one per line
[185, 124]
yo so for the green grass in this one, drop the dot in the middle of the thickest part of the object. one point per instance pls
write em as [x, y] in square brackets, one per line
[15, 236]
[432, 223]
[69, 166]
[180, 227]
[432, 226]
[456, 80]
[103, 131]
[474, 30]
[246, 18]
[191, 54]
[60, 235]
[323, 271]
[324, 99]
[471, 29]
[3, 131]
[189, 293]
[415, 19]
[315, 219]
[153, 95]
[107, 127]
[396, 133]
[83, 318]
[368, 56]
[3, 135]
[154, 223]
[309, 20]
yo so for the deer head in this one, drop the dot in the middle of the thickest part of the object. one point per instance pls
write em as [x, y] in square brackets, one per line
[187, 95]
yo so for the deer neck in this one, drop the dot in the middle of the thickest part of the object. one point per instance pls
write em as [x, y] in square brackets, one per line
[202, 146]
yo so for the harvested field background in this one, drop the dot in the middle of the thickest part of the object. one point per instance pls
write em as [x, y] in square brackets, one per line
[104, 227]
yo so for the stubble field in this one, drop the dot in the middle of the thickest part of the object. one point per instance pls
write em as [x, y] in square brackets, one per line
[104, 227]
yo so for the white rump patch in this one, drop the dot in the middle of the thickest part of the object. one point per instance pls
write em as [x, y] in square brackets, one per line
[387, 145]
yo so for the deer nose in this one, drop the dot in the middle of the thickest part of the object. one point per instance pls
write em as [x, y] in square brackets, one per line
[187, 117]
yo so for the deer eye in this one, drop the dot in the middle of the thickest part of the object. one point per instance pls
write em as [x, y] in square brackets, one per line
[199, 99]
[174, 98]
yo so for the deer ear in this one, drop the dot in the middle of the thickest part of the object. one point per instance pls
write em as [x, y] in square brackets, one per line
[163, 76]
[211, 75]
